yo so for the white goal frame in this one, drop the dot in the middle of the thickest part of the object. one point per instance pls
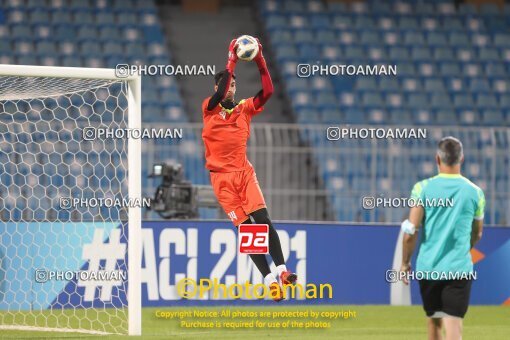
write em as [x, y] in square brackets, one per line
[134, 296]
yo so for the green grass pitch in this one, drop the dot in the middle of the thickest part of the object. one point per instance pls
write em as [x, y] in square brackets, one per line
[371, 322]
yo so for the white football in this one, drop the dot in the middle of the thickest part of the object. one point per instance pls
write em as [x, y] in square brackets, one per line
[247, 47]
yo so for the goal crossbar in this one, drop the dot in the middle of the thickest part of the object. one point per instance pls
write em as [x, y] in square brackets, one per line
[62, 72]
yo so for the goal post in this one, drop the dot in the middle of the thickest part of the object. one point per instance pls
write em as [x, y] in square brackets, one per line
[66, 242]
[135, 214]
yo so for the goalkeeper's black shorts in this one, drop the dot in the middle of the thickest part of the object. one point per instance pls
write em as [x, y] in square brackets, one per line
[445, 297]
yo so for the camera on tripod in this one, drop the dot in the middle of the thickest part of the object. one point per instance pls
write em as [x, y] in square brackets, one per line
[176, 197]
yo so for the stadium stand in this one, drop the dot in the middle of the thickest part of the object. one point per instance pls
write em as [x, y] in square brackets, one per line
[82, 33]
[453, 70]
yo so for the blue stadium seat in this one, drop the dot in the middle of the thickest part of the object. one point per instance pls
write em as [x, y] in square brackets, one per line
[281, 36]
[297, 84]
[309, 52]
[408, 23]
[479, 85]
[104, 18]
[444, 54]
[320, 21]
[372, 99]
[418, 101]
[91, 48]
[331, 116]
[504, 100]
[453, 24]
[366, 84]
[355, 53]
[486, 101]
[492, 117]
[152, 34]
[400, 116]
[421, 53]
[441, 101]
[445, 117]
[370, 37]
[354, 116]
[342, 21]
[80, 4]
[423, 8]
[495, 69]
[109, 33]
[303, 36]
[388, 84]
[434, 85]
[27, 60]
[21, 31]
[488, 54]
[414, 38]
[39, 16]
[463, 100]
[450, 69]
[83, 17]
[459, 39]
[87, 33]
[112, 48]
[291, 6]
[467, 9]
[275, 21]
[286, 52]
[337, 7]
[406, 69]
[64, 32]
[489, 9]
[399, 54]
[364, 22]
[326, 100]
[325, 37]
[126, 17]
[502, 40]
[135, 50]
[46, 48]
[437, 39]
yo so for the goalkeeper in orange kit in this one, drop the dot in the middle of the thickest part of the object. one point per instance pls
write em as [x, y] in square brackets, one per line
[225, 133]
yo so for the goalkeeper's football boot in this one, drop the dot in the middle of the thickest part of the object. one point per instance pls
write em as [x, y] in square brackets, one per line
[288, 278]
[276, 292]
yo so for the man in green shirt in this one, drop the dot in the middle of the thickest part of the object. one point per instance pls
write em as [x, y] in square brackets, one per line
[444, 261]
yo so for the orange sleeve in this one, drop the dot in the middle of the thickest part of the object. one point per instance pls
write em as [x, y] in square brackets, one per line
[251, 107]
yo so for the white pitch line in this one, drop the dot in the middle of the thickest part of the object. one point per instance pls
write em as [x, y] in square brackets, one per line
[48, 329]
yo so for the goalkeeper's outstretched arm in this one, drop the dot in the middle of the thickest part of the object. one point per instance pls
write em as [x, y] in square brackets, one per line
[267, 84]
[221, 91]
[224, 83]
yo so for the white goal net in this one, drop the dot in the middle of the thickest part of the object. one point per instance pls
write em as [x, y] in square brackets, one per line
[66, 260]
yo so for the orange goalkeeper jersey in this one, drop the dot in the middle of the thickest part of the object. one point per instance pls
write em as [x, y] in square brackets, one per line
[226, 134]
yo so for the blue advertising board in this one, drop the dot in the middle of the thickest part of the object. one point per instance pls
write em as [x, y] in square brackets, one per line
[353, 259]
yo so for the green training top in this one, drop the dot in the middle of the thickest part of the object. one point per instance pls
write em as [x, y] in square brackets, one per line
[451, 202]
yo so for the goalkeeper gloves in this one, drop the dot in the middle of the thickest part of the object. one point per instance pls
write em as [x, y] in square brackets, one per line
[232, 56]
[259, 58]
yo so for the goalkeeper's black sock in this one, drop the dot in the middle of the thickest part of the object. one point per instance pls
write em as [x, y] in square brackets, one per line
[261, 216]
[260, 259]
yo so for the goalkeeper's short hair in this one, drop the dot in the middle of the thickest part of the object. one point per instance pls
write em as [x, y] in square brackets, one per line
[219, 75]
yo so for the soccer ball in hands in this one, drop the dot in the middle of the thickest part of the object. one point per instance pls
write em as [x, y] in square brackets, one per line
[247, 47]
